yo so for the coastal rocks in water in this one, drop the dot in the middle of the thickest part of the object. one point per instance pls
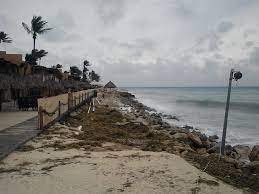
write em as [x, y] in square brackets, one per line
[188, 127]
[126, 95]
[155, 119]
[165, 125]
[242, 152]
[170, 117]
[254, 155]
[213, 138]
[195, 139]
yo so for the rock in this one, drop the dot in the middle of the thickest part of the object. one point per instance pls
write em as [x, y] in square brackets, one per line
[203, 137]
[121, 123]
[254, 155]
[213, 138]
[201, 151]
[155, 127]
[155, 119]
[165, 125]
[170, 117]
[242, 152]
[195, 139]
[188, 127]
[231, 161]
[229, 150]
[251, 168]
[73, 114]
[181, 136]
[207, 144]
[214, 149]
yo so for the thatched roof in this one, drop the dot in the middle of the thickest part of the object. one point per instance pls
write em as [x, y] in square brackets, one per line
[27, 82]
[110, 85]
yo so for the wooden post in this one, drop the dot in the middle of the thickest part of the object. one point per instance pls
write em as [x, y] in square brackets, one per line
[40, 118]
[59, 109]
[69, 101]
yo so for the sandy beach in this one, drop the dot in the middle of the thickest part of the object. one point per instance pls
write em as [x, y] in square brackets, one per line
[92, 157]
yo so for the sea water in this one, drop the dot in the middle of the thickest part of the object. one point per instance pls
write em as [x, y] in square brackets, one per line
[204, 108]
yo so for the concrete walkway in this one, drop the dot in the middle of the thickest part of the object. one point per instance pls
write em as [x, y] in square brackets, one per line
[8, 119]
[14, 136]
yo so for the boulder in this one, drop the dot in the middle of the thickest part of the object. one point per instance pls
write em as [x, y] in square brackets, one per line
[214, 149]
[195, 139]
[213, 138]
[251, 168]
[254, 155]
[182, 136]
[165, 125]
[203, 137]
[188, 127]
[242, 152]
[201, 151]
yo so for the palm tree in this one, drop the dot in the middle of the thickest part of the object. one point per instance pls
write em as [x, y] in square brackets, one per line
[85, 69]
[4, 38]
[38, 26]
[35, 56]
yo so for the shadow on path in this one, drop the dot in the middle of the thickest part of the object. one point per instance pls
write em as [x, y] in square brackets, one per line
[13, 137]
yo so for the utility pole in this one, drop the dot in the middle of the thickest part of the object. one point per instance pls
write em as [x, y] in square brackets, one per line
[233, 75]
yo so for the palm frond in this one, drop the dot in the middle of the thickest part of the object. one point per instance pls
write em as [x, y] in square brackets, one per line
[26, 27]
[4, 37]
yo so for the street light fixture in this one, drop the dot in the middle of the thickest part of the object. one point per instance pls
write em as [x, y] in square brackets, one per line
[236, 75]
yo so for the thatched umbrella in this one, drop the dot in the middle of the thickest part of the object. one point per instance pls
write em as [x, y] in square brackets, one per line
[110, 85]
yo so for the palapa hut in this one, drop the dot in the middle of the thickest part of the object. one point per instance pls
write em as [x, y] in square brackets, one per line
[110, 85]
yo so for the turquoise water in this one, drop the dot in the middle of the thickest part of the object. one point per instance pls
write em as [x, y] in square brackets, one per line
[204, 107]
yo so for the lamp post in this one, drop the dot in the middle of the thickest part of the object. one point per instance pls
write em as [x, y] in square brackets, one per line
[233, 75]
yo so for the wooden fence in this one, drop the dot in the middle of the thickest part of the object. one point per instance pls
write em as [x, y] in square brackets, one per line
[53, 108]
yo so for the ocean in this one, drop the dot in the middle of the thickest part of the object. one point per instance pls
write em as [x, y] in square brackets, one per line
[204, 108]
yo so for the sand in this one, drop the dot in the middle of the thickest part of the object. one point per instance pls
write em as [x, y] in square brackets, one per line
[129, 171]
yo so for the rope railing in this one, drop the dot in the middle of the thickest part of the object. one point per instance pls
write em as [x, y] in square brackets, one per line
[74, 101]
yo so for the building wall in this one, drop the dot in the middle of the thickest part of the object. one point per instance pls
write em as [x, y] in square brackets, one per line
[13, 58]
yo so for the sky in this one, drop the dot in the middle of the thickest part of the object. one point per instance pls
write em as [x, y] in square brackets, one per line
[143, 43]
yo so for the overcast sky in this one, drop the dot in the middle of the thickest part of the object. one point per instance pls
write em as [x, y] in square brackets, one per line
[144, 42]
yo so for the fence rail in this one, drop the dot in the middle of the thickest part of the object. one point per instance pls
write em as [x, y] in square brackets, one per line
[54, 108]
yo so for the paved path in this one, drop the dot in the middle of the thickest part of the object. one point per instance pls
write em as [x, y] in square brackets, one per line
[8, 119]
[12, 137]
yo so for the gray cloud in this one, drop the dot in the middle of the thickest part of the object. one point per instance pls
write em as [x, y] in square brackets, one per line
[143, 42]
[254, 56]
[110, 11]
[225, 26]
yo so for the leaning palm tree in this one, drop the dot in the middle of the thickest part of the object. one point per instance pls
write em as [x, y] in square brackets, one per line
[38, 26]
[4, 38]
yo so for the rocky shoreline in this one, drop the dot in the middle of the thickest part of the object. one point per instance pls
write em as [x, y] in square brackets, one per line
[240, 165]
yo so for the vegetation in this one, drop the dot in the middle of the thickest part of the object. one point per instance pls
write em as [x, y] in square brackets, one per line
[4, 38]
[38, 26]
[85, 70]
[94, 76]
[75, 73]
[35, 56]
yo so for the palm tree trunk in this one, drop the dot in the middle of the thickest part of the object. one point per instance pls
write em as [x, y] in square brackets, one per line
[34, 40]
